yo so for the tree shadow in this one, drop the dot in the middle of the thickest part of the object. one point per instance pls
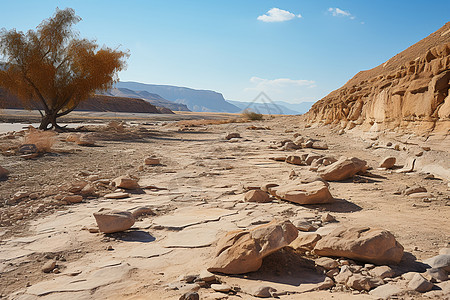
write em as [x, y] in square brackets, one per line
[339, 206]
[133, 236]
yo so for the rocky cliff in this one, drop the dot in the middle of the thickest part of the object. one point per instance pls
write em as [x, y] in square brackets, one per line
[410, 92]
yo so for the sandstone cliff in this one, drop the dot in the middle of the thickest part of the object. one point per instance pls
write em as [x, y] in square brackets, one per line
[410, 92]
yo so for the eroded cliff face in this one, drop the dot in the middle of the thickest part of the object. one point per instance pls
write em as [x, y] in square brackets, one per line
[409, 92]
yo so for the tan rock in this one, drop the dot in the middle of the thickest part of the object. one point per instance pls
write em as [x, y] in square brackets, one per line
[3, 173]
[73, 198]
[320, 145]
[242, 251]
[48, 266]
[233, 135]
[109, 221]
[257, 196]
[294, 160]
[420, 284]
[305, 241]
[409, 165]
[363, 283]
[388, 162]
[85, 140]
[151, 161]
[342, 169]
[327, 263]
[315, 192]
[376, 246]
[126, 183]
[117, 195]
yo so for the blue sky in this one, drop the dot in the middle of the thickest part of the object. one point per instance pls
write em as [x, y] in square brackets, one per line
[295, 51]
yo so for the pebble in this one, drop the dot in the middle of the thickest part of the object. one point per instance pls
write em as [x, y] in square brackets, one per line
[48, 266]
[224, 288]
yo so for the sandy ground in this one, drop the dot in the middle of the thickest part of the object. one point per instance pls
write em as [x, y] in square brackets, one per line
[203, 177]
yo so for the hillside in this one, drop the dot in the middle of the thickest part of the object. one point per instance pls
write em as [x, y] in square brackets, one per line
[409, 91]
[153, 99]
[96, 103]
[195, 100]
[277, 107]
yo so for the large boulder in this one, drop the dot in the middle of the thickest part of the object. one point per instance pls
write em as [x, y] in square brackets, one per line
[342, 169]
[315, 192]
[375, 246]
[110, 221]
[242, 251]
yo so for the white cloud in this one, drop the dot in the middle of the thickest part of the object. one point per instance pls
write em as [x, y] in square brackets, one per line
[337, 12]
[278, 15]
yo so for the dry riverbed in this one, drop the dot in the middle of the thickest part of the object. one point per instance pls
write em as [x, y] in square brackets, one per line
[194, 196]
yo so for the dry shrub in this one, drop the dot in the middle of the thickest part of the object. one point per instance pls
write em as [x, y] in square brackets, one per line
[44, 140]
[251, 115]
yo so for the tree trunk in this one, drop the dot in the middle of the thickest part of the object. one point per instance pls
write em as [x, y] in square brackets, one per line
[49, 119]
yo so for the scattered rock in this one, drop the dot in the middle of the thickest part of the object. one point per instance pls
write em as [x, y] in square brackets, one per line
[151, 161]
[439, 261]
[126, 183]
[414, 190]
[382, 272]
[319, 145]
[48, 266]
[409, 166]
[207, 276]
[388, 162]
[303, 225]
[327, 217]
[360, 282]
[141, 211]
[263, 291]
[118, 195]
[326, 284]
[309, 193]
[3, 173]
[386, 291]
[342, 169]
[267, 187]
[233, 135]
[327, 263]
[190, 296]
[224, 288]
[242, 251]
[420, 284]
[305, 242]
[85, 140]
[73, 198]
[257, 196]
[19, 196]
[436, 275]
[343, 275]
[110, 221]
[376, 246]
[295, 160]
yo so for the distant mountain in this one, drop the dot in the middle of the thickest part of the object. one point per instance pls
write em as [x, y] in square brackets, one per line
[153, 99]
[276, 107]
[195, 100]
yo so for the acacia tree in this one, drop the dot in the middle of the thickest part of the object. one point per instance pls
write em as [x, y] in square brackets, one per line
[52, 70]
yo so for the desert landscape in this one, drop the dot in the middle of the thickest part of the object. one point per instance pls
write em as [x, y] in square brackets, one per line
[128, 197]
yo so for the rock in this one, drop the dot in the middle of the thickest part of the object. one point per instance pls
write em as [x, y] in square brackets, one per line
[309, 193]
[436, 275]
[117, 195]
[342, 169]
[388, 162]
[48, 266]
[3, 173]
[291, 146]
[207, 276]
[263, 291]
[311, 157]
[242, 251]
[294, 160]
[327, 263]
[257, 196]
[224, 288]
[386, 291]
[126, 183]
[360, 282]
[278, 158]
[382, 272]
[85, 140]
[88, 190]
[233, 135]
[93, 177]
[151, 161]
[110, 221]
[376, 246]
[327, 218]
[343, 275]
[72, 198]
[303, 225]
[76, 187]
[19, 196]
[409, 166]
[420, 284]
[439, 261]
[141, 211]
[326, 284]
[319, 145]
[308, 144]
[414, 190]
[267, 187]
[190, 296]
[305, 242]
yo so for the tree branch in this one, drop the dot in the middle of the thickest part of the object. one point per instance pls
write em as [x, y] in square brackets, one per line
[37, 92]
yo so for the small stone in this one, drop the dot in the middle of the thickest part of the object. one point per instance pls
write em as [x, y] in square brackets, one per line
[257, 196]
[48, 266]
[388, 162]
[151, 161]
[426, 148]
[141, 211]
[19, 196]
[188, 278]
[436, 275]
[319, 145]
[382, 272]
[263, 291]
[420, 284]
[360, 282]
[419, 153]
[93, 177]
[73, 198]
[439, 261]
[3, 173]
[93, 229]
[414, 190]
[326, 284]
[109, 221]
[224, 288]
[190, 296]
[233, 135]
[332, 273]
[386, 291]
[126, 183]
[109, 248]
[303, 225]
[207, 276]
[327, 263]
[327, 218]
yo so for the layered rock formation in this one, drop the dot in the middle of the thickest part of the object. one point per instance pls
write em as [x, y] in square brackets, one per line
[409, 91]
